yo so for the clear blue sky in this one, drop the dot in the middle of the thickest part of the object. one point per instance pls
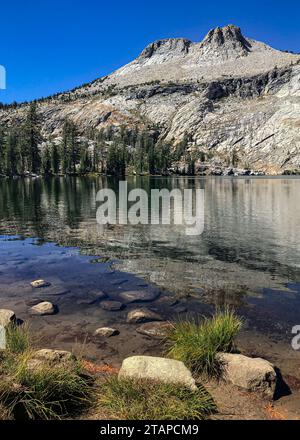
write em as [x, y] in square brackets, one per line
[49, 46]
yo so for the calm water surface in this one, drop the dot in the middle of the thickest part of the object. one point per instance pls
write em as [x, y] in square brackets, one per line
[249, 252]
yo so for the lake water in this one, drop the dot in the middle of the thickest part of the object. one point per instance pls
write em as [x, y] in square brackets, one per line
[248, 255]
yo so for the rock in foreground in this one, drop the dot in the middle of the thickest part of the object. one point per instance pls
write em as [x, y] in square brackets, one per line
[43, 308]
[252, 374]
[6, 317]
[139, 316]
[52, 357]
[158, 369]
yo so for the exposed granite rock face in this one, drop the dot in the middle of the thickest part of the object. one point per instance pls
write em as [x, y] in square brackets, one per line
[225, 43]
[229, 94]
[167, 48]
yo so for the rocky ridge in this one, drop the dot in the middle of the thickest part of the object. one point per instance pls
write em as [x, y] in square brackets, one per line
[229, 94]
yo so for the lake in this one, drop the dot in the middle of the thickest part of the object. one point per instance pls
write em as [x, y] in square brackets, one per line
[248, 255]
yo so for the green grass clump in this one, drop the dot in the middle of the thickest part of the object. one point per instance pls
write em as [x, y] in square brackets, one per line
[45, 391]
[18, 338]
[129, 399]
[197, 344]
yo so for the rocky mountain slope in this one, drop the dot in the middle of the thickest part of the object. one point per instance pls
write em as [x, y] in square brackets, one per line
[228, 94]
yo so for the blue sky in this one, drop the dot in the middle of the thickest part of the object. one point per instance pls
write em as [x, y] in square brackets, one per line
[50, 46]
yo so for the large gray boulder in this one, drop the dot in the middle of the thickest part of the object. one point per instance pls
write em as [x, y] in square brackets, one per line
[252, 374]
[7, 317]
[157, 369]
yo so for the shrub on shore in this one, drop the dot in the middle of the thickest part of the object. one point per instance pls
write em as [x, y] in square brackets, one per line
[130, 399]
[197, 343]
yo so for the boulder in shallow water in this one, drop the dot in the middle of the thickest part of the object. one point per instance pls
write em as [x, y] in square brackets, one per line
[106, 332]
[38, 284]
[157, 369]
[7, 317]
[157, 330]
[43, 308]
[252, 374]
[139, 316]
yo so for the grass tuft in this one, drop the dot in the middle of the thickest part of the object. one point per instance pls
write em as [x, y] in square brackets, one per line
[129, 399]
[45, 392]
[197, 344]
[18, 338]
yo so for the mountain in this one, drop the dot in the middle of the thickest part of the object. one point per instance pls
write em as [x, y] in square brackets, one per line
[232, 98]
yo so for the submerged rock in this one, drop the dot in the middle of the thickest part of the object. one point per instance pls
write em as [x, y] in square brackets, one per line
[92, 297]
[107, 332]
[158, 330]
[6, 317]
[139, 316]
[43, 308]
[138, 295]
[252, 374]
[112, 306]
[158, 369]
[38, 284]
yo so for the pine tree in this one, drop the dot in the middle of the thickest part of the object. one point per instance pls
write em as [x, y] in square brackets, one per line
[2, 152]
[31, 138]
[55, 158]
[85, 159]
[46, 162]
[69, 148]
[13, 157]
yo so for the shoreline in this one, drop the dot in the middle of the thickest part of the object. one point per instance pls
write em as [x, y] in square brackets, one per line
[73, 327]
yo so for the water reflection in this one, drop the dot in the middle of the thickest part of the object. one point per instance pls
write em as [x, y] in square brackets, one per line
[251, 235]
